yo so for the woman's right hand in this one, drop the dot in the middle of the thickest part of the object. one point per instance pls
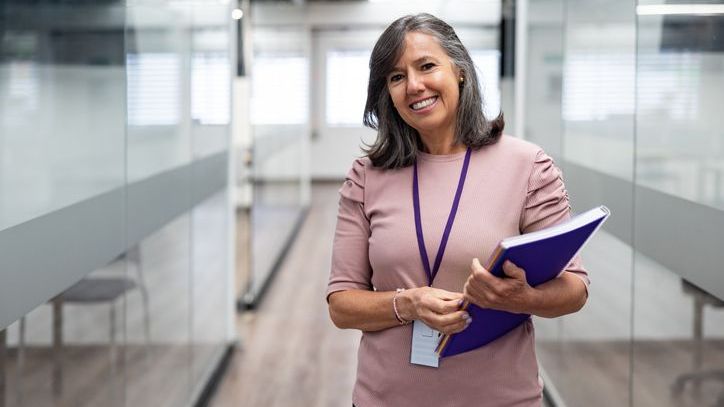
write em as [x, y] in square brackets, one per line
[439, 309]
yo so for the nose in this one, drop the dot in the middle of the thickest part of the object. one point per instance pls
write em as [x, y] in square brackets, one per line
[415, 84]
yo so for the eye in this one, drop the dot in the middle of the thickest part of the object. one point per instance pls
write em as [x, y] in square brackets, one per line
[428, 66]
[396, 77]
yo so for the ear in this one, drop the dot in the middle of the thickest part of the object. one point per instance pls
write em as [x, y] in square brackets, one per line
[460, 75]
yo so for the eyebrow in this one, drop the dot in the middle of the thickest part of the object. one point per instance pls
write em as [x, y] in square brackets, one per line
[423, 58]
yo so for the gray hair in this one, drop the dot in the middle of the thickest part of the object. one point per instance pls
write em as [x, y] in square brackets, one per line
[397, 142]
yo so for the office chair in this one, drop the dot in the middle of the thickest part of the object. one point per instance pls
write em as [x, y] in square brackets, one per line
[91, 291]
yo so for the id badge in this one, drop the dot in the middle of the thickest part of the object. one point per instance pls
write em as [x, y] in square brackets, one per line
[424, 342]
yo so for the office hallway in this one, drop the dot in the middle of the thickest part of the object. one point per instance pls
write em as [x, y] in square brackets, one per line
[291, 354]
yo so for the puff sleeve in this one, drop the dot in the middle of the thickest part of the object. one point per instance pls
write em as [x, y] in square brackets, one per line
[350, 267]
[547, 204]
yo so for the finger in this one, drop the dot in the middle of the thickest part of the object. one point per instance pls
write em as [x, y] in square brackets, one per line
[447, 295]
[513, 271]
[465, 326]
[454, 328]
[470, 289]
[441, 306]
[473, 290]
[459, 323]
[483, 299]
[476, 290]
[451, 322]
[443, 320]
[479, 273]
[453, 318]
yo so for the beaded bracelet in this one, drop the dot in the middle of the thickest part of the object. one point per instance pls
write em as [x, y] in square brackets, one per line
[401, 320]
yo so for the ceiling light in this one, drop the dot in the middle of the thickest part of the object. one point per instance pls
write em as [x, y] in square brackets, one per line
[680, 9]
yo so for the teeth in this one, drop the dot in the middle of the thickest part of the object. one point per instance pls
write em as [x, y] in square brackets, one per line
[424, 103]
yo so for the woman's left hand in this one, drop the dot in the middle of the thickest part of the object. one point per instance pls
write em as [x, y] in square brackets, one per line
[512, 294]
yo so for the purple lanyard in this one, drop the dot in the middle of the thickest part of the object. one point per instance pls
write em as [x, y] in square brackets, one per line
[450, 219]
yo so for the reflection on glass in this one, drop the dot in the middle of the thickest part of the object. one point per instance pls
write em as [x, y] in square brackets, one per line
[678, 332]
[598, 86]
[581, 78]
[209, 223]
[487, 63]
[209, 296]
[210, 81]
[586, 355]
[347, 75]
[678, 357]
[279, 116]
[157, 79]
[680, 85]
[52, 72]
[543, 76]
[94, 97]
[153, 91]
[210, 88]
[22, 90]
[599, 92]
[279, 89]
[157, 351]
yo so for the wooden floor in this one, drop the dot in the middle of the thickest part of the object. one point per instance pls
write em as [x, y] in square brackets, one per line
[291, 354]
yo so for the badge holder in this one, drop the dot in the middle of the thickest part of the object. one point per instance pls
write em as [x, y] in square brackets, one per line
[424, 343]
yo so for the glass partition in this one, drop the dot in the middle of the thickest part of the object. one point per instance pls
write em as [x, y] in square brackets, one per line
[544, 75]
[53, 154]
[680, 84]
[158, 55]
[280, 126]
[211, 218]
[678, 358]
[640, 131]
[115, 214]
[580, 98]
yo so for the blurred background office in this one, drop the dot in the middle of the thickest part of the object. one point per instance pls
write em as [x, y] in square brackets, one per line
[168, 177]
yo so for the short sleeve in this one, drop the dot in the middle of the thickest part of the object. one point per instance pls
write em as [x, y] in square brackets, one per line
[547, 204]
[354, 184]
[350, 267]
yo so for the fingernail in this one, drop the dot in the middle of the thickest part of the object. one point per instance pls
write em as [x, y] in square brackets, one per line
[466, 316]
[460, 303]
[468, 321]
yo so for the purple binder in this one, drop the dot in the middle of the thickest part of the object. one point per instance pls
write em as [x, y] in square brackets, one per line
[543, 255]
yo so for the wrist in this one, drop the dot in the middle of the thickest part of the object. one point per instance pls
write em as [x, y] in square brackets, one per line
[396, 308]
[533, 302]
[405, 308]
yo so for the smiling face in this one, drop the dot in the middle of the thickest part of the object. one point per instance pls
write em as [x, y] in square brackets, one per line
[424, 86]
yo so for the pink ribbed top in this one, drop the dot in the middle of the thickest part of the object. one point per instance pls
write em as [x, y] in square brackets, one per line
[512, 187]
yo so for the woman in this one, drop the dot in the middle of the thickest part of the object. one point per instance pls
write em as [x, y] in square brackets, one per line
[435, 150]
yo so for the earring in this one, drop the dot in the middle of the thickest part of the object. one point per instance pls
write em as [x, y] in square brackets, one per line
[462, 79]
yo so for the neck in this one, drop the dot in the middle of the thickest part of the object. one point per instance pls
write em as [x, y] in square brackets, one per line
[442, 147]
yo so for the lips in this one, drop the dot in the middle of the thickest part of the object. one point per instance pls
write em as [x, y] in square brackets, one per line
[421, 104]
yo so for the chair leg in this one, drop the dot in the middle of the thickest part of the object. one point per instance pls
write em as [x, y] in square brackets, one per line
[698, 331]
[19, 388]
[112, 337]
[57, 381]
[146, 316]
[21, 347]
[134, 255]
[2, 366]
[144, 298]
